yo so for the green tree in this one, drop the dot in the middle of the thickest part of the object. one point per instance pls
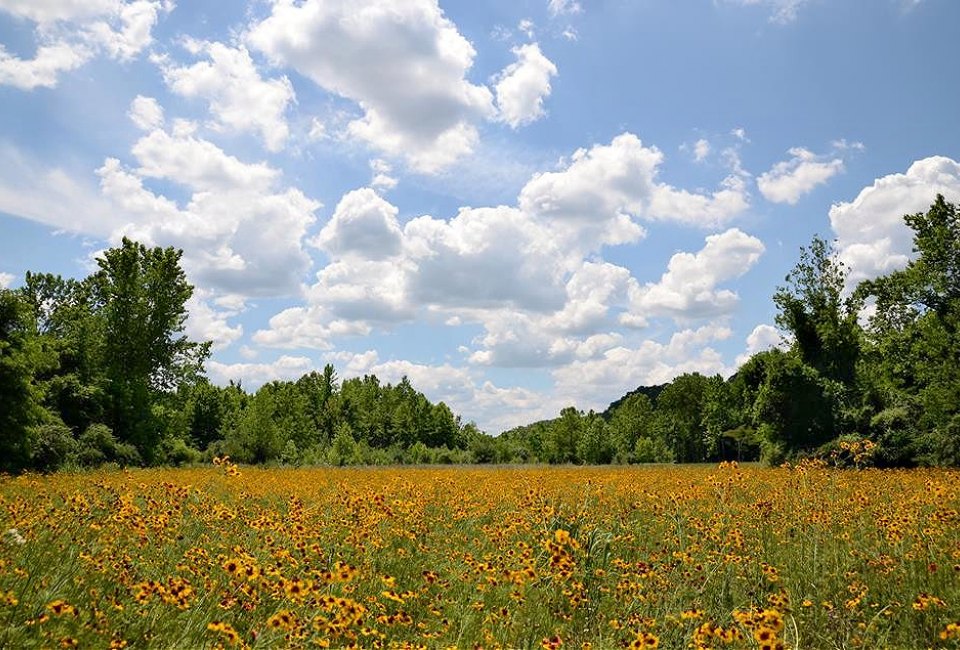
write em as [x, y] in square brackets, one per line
[66, 318]
[21, 358]
[915, 332]
[796, 408]
[679, 419]
[144, 293]
[631, 420]
[595, 446]
[564, 436]
[812, 308]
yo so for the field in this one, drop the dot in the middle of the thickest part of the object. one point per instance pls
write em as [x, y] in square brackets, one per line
[669, 557]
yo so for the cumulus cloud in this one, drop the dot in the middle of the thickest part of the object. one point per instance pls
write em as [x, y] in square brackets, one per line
[239, 98]
[872, 238]
[69, 33]
[590, 384]
[146, 113]
[44, 69]
[363, 225]
[484, 257]
[523, 85]
[402, 61]
[241, 230]
[524, 273]
[762, 337]
[600, 191]
[689, 287]
[790, 179]
[209, 322]
[254, 375]
[6, 280]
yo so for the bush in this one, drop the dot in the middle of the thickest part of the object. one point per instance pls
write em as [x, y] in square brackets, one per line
[52, 446]
[176, 452]
[97, 445]
[651, 450]
[290, 454]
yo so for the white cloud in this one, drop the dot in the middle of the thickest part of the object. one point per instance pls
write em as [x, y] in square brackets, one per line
[363, 225]
[242, 232]
[523, 85]
[782, 11]
[254, 375]
[198, 164]
[129, 29]
[525, 274]
[44, 69]
[69, 33]
[701, 149]
[6, 280]
[706, 210]
[563, 7]
[47, 12]
[206, 323]
[688, 289]
[146, 113]
[484, 258]
[599, 192]
[593, 199]
[762, 337]
[382, 179]
[872, 238]
[402, 61]
[596, 382]
[238, 97]
[788, 180]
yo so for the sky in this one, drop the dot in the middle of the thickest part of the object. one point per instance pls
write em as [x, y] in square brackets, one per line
[519, 204]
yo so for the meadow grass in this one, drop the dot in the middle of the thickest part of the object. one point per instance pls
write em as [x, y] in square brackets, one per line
[525, 557]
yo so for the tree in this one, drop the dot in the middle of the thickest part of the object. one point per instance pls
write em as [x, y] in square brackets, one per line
[66, 318]
[813, 309]
[796, 408]
[563, 437]
[21, 358]
[679, 420]
[915, 331]
[720, 414]
[595, 446]
[144, 293]
[631, 420]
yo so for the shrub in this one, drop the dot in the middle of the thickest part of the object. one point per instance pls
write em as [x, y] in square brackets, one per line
[651, 450]
[97, 445]
[52, 446]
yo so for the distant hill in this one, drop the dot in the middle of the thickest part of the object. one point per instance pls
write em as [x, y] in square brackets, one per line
[652, 393]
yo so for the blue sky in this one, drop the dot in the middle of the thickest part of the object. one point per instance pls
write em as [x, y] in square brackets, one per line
[520, 205]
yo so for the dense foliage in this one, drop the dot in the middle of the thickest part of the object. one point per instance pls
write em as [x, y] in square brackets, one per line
[99, 370]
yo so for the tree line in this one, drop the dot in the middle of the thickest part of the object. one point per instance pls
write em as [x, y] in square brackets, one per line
[869, 374]
[100, 370]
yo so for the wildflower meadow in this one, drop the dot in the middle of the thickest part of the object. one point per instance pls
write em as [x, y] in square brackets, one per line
[692, 557]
